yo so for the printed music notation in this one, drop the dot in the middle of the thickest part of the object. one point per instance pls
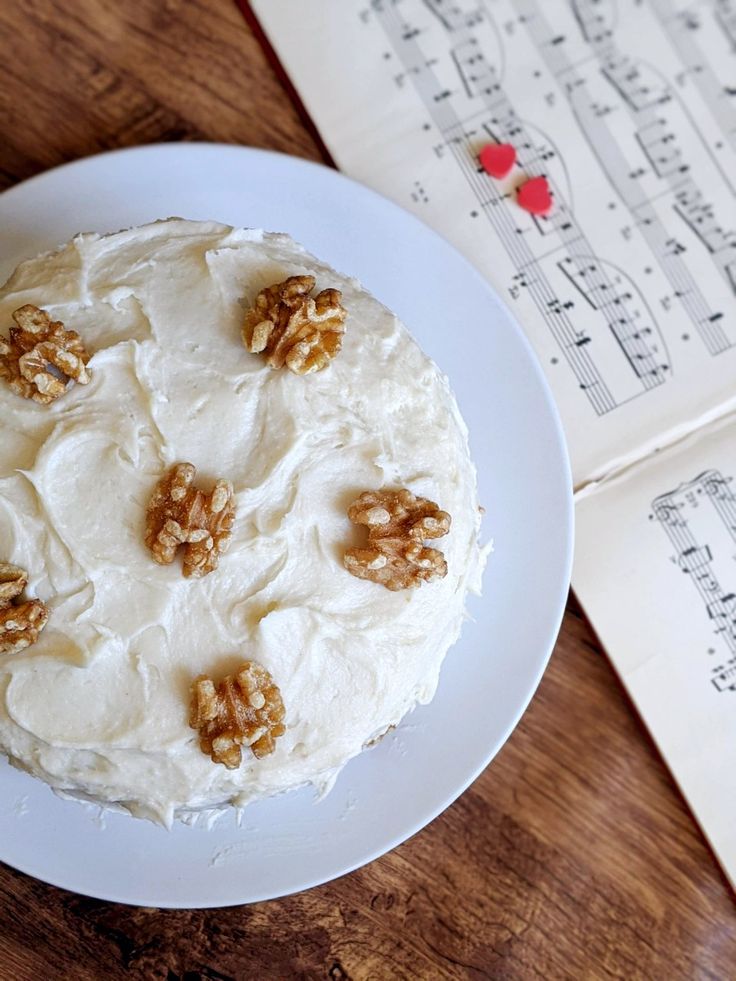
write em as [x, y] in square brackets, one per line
[724, 12]
[656, 573]
[699, 518]
[557, 266]
[662, 131]
[626, 289]
[695, 33]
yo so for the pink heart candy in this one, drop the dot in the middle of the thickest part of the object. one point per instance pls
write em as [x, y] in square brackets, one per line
[534, 196]
[497, 159]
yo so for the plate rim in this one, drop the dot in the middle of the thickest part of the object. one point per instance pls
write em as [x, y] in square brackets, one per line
[182, 149]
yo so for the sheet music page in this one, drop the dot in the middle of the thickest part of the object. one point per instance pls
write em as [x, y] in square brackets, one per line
[655, 568]
[626, 290]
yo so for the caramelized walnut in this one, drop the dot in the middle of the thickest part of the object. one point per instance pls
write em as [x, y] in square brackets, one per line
[181, 514]
[41, 356]
[245, 709]
[20, 622]
[294, 329]
[398, 523]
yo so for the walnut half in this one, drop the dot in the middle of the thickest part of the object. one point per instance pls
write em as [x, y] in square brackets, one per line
[181, 514]
[398, 523]
[41, 356]
[294, 329]
[20, 622]
[245, 709]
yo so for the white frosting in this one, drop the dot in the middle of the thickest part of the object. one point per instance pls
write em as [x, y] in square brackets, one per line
[99, 706]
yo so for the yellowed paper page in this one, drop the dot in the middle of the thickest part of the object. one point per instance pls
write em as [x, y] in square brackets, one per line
[627, 290]
[655, 568]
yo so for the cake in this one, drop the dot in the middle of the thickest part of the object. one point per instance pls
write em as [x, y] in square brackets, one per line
[107, 697]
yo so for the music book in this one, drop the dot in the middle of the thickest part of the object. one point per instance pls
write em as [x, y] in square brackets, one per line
[626, 289]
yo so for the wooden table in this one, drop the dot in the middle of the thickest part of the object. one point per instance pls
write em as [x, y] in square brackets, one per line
[573, 855]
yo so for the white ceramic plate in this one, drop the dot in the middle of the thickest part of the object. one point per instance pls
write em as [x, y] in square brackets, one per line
[384, 796]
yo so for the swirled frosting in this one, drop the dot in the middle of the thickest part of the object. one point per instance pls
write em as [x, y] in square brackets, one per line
[99, 706]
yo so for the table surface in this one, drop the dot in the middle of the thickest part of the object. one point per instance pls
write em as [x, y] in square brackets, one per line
[573, 855]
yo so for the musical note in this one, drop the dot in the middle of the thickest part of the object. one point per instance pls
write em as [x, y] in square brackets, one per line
[682, 27]
[725, 13]
[682, 514]
[603, 291]
[695, 558]
[658, 144]
[657, 123]
[700, 217]
[630, 79]
[618, 308]
[595, 20]
[624, 287]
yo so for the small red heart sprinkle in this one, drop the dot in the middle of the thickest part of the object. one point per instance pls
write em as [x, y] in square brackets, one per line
[534, 196]
[497, 159]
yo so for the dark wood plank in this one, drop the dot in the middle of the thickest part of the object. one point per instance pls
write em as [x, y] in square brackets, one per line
[572, 856]
[98, 74]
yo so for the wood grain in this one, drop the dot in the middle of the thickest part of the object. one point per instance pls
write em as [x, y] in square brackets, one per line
[573, 855]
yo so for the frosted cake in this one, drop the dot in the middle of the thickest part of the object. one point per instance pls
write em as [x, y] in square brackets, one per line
[238, 518]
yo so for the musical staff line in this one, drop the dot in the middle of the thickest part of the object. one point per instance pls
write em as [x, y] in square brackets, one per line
[645, 99]
[615, 301]
[725, 16]
[682, 27]
[694, 503]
